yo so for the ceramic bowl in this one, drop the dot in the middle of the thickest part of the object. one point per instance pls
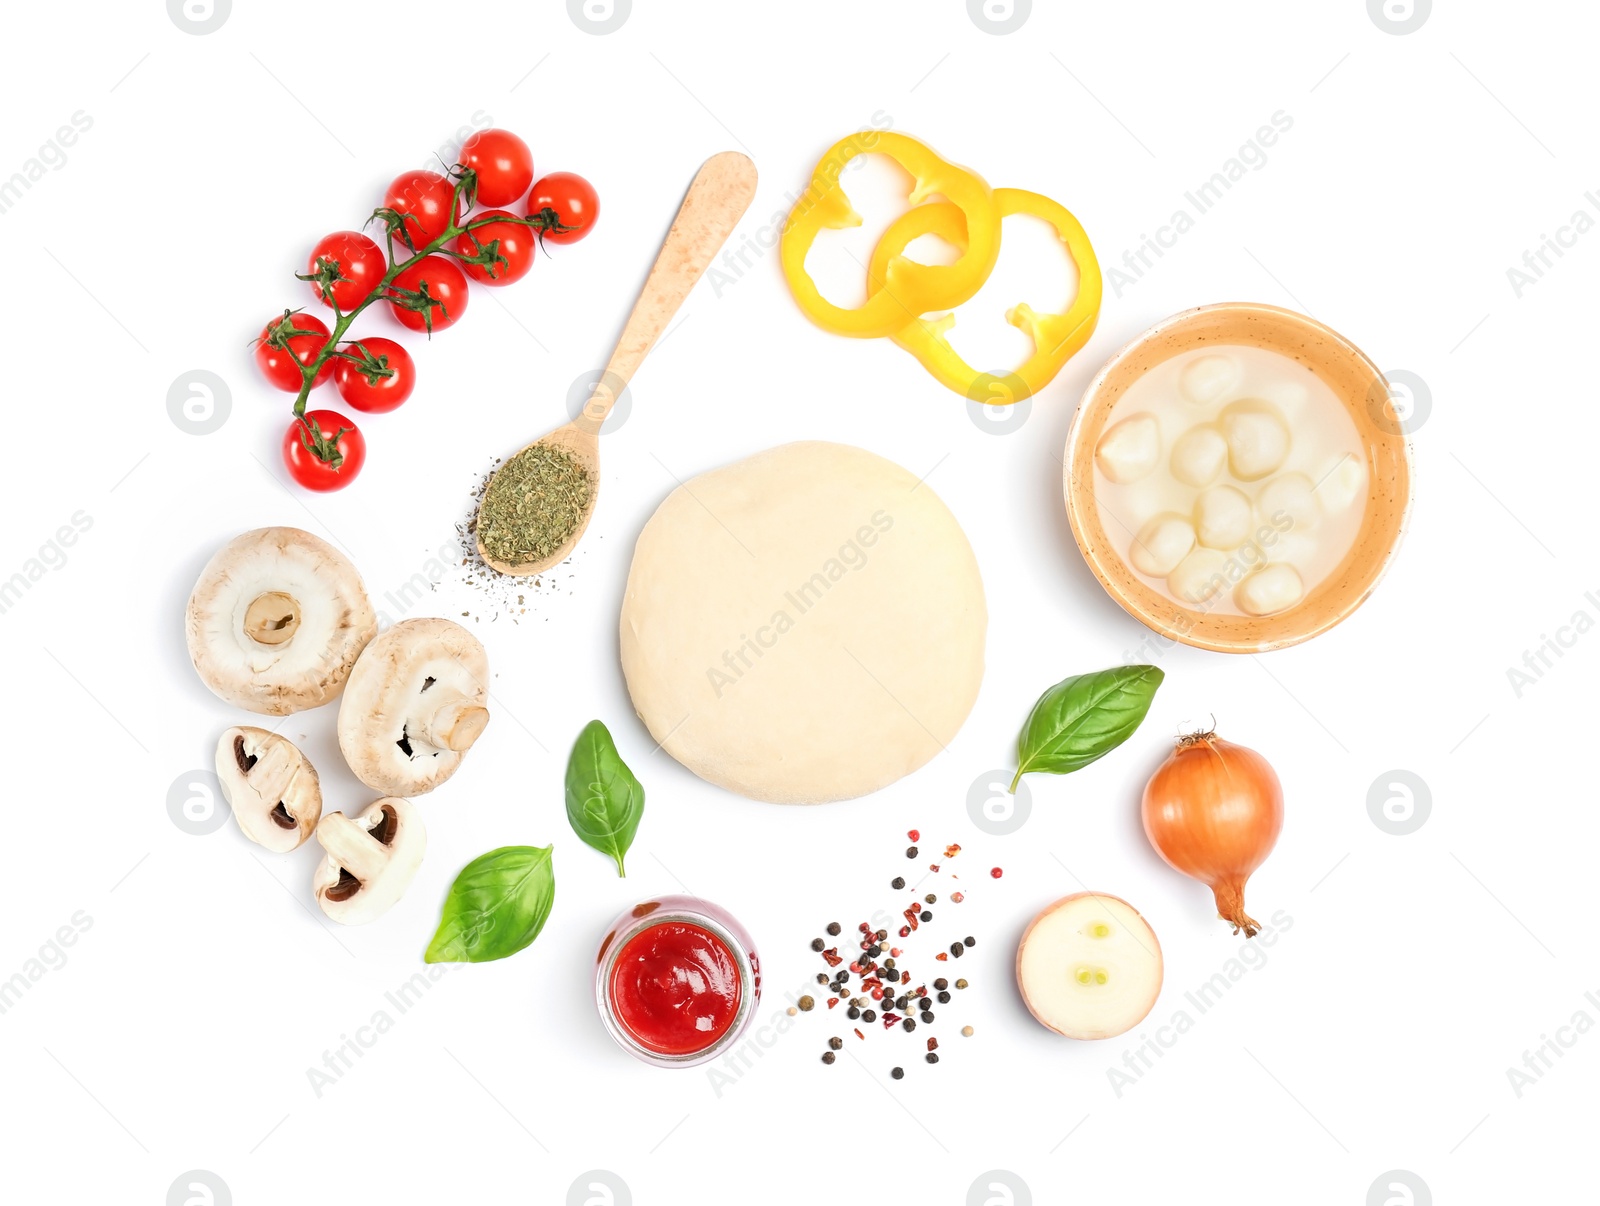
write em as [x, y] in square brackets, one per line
[1354, 379]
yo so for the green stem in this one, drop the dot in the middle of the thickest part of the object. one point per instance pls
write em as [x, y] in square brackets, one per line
[342, 320]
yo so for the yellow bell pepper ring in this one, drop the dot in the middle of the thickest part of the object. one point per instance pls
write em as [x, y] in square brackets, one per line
[901, 289]
[1056, 337]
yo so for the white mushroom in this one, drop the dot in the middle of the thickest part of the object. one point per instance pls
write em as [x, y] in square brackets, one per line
[414, 706]
[372, 858]
[276, 620]
[271, 786]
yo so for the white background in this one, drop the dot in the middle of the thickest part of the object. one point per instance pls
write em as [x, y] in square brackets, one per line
[1417, 969]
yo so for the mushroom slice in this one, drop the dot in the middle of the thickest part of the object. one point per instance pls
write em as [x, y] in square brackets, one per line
[277, 620]
[271, 785]
[371, 860]
[414, 705]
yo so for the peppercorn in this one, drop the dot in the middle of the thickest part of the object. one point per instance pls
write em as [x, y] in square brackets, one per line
[932, 1057]
[822, 977]
[931, 898]
[956, 948]
[970, 941]
[961, 983]
[905, 930]
[995, 872]
[882, 935]
[818, 945]
[834, 927]
[836, 1042]
[898, 1073]
[966, 1031]
[875, 950]
[944, 998]
[933, 1044]
[927, 1015]
[911, 852]
[897, 882]
[908, 1024]
[852, 1013]
[941, 983]
[902, 1002]
[828, 1057]
[889, 963]
[869, 1016]
[925, 915]
[806, 1004]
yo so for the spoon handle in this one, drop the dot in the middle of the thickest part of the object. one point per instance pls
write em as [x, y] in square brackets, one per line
[722, 190]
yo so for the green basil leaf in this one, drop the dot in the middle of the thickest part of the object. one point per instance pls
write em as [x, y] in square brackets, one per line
[1083, 718]
[496, 907]
[604, 801]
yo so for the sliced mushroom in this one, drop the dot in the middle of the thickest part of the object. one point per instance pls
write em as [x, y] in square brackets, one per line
[277, 620]
[371, 860]
[271, 785]
[414, 705]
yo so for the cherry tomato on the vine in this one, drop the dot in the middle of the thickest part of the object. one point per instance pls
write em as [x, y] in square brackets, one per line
[516, 245]
[374, 374]
[444, 284]
[504, 165]
[288, 342]
[567, 205]
[341, 440]
[422, 199]
[355, 258]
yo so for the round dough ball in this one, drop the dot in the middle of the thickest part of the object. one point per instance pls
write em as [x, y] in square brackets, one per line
[1342, 484]
[1290, 495]
[1274, 588]
[805, 625]
[1198, 456]
[1207, 378]
[1222, 517]
[1258, 439]
[1161, 544]
[1130, 449]
[1199, 578]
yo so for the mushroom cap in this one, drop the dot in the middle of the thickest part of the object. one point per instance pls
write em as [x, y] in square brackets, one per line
[414, 705]
[372, 858]
[272, 787]
[276, 621]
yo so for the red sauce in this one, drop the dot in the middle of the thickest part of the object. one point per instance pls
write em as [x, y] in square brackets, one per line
[675, 988]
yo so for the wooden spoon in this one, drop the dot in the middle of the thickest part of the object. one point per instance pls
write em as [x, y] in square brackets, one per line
[717, 199]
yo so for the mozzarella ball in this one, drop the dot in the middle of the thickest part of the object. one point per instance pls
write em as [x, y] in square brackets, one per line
[1161, 544]
[1130, 449]
[1198, 456]
[1273, 589]
[1289, 397]
[1206, 378]
[1222, 517]
[1342, 484]
[1258, 439]
[1290, 495]
[1199, 578]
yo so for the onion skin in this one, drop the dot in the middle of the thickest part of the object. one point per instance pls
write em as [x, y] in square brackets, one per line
[1213, 810]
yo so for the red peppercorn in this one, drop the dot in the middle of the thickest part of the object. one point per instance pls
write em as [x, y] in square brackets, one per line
[942, 957]
[914, 835]
[832, 1001]
[958, 897]
[995, 872]
[905, 931]
[864, 928]
[877, 994]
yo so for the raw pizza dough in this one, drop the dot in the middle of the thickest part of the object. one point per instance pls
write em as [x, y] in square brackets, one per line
[803, 626]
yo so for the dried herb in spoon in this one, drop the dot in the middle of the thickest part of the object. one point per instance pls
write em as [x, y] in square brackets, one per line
[533, 505]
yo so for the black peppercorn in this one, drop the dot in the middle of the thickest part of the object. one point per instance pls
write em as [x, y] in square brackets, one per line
[898, 1073]
[833, 927]
[875, 950]
[882, 935]
[932, 1057]
[852, 1013]
[869, 1017]
[828, 1057]
[889, 964]
[822, 977]
[931, 898]
[970, 941]
[817, 944]
[944, 998]
[902, 1002]
[836, 1043]
[908, 1024]
[897, 882]
[956, 950]
[911, 852]
[925, 915]
[927, 1015]
[941, 984]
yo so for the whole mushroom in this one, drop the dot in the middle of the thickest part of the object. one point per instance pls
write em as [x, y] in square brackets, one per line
[414, 705]
[371, 860]
[277, 620]
[271, 786]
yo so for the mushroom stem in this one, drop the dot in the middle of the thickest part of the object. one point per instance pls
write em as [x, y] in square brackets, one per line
[351, 846]
[271, 618]
[456, 725]
[274, 769]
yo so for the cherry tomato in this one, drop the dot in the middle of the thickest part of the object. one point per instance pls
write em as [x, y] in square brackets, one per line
[358, 372]
[503, 163]
[516, 248]
[280, 352]
[445, 285]
[567, 205]
[356, 258]
[422, 199]
[340, 438]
